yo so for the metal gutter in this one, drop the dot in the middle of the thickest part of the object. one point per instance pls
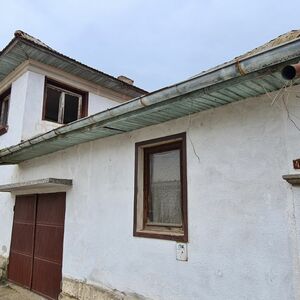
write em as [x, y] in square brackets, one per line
[231, 81]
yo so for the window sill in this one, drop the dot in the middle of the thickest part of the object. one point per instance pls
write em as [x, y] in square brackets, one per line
[162, 235]
[3, 129]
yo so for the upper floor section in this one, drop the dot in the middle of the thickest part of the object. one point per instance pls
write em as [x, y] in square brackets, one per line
[41, 89]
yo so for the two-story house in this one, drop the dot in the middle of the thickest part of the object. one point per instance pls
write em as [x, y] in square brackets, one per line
[188, 192]
[41, 90]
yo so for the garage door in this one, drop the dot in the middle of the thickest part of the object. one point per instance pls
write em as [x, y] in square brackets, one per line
[37, 243]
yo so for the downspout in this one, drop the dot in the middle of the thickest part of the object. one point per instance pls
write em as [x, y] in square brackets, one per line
[291, 71]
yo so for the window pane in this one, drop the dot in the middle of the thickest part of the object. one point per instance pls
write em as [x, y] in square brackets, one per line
[4, 116]
[164, 201]
[4, 111]
[71, 108]
[52, 104]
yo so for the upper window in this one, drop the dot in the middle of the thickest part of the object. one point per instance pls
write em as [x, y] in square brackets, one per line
[160, 189]
[63, 104]
[4, 106]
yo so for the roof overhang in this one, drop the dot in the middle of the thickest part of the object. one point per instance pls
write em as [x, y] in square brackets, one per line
[293, 179]
[21, 49]
[47, 185]
[234, 81]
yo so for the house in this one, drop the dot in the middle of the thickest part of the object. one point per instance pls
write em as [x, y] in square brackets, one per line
[188, 192]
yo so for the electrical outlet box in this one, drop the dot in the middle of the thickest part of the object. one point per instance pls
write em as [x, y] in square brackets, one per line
[181, 252]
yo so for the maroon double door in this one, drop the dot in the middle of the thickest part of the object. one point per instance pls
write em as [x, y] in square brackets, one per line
[35, 260]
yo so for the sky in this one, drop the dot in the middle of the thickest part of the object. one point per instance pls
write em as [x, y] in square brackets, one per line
[156, 43]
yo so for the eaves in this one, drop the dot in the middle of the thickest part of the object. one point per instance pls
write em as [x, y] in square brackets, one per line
[250, 76]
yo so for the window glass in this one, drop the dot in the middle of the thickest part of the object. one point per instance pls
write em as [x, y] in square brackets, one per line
[4, 115]
[71, 108]
[64, 104]
[4, 105]
[160, 193]
[52, 104]
[164, 199]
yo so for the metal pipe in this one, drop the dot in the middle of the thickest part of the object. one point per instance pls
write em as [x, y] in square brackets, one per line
[291, 71]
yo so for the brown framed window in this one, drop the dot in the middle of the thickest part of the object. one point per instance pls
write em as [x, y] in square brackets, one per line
[4, 108]
[63, 104]
[160, 209]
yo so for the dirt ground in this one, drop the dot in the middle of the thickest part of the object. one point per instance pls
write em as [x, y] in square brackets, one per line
[13, 292]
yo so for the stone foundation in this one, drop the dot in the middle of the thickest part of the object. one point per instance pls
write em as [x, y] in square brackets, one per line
[3, 268]
[79, 290]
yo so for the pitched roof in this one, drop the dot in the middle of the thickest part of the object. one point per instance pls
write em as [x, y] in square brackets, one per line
[24, 35]
[281, 39]
[250, 76]
[24, 46]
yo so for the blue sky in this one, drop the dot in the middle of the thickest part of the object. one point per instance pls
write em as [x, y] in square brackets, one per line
[157, 42]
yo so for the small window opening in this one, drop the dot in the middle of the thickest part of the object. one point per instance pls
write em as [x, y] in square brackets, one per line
[164, 195]
[4, 107]
[161, 189]
[62, 105]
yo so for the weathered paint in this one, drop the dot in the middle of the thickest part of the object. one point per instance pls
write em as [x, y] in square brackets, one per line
[3, 269]
[25, 121]
[16, 112]
[7, 201]
[242, 224]
[76, 289]
[33, 123]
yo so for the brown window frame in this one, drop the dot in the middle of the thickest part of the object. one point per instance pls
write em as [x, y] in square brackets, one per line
[5, 96]
[65, 88]
[141, 227]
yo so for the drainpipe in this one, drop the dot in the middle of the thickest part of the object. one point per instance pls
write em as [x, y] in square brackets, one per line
[290, 72]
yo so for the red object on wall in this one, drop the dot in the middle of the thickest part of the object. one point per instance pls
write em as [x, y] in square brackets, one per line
[296, 163]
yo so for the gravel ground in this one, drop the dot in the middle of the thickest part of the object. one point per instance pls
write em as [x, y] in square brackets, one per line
[13, 292]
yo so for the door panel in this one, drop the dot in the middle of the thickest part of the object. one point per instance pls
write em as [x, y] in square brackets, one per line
[47, 278]
[22, 242]
[48, 241]
[25, 208]
[51, 209]
[37, 243]
[20, 269]
[49, 237]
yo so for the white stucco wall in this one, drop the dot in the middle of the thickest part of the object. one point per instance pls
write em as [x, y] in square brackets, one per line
[99, 103]
[242, 232]
[33, 123]
[25, 121]
[7, 173]
[7, 202]
[16, 112]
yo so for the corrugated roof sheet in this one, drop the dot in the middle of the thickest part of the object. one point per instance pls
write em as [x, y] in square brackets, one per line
[23, 47]
[250, 76]
[283, 38]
